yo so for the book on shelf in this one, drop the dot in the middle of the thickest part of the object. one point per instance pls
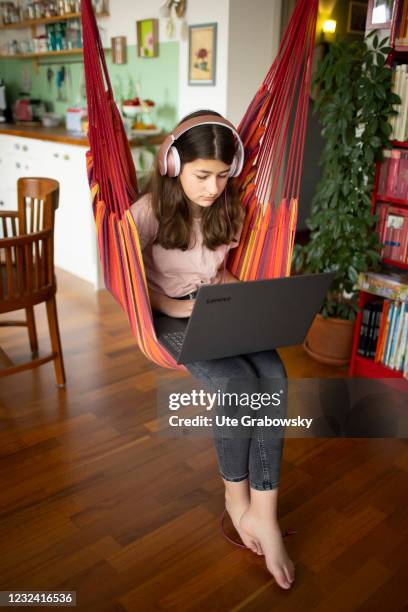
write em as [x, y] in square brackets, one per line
[401, 25]
[394, 345]
[384, 334]
[392, 229]
[393, 180]
[382, 331]
[370, 323]
[399, 86]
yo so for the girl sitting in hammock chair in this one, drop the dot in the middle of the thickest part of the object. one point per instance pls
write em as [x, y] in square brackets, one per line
[188, 218]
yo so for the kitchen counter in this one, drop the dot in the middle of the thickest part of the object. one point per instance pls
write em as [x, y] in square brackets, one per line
[60, 134]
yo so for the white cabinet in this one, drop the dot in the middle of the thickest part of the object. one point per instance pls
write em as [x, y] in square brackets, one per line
[17, 159]
[75, 236]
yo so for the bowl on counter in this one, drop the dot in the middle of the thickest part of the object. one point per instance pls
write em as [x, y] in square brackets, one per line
[50, 120]
[131, 111]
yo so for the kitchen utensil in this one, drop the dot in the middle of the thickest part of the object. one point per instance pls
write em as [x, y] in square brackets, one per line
[61, 74]
[69, 85]
[50, 77]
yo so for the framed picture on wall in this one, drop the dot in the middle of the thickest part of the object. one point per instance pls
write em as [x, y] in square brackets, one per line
[357, 15]
[202, 54]
[379, 14]
[118, 49]
[147, 37]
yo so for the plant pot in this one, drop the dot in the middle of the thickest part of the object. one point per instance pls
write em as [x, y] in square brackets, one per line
[329, 340]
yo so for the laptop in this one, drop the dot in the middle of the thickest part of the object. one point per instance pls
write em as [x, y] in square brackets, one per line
[237, 318]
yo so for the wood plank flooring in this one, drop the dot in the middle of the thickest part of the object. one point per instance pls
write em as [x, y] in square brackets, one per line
[93, 501]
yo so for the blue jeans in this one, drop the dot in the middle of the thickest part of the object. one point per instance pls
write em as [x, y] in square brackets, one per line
[258, 455]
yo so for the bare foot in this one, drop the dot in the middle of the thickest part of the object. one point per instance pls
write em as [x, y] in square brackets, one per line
[265, 530]
[235, 510]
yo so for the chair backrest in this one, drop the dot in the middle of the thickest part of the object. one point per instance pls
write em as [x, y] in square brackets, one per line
[37, 201]
[26, 270]
[27, 251]
[9, 223]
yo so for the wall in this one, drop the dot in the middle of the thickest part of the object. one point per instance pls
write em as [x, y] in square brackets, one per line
[254, 31]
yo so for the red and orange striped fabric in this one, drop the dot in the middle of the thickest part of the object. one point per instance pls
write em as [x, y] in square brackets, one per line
[269, 182]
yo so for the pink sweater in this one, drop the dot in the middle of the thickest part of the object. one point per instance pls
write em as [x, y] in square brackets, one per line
[174, 272]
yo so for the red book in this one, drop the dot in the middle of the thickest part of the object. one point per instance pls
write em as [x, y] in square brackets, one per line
[396, 228]
[381, 331]
[382, 183]
[404, 246]
[393, 171]
[382, 215]
[402, 184]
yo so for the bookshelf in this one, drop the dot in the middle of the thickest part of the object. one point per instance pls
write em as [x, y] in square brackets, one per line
[364, 366]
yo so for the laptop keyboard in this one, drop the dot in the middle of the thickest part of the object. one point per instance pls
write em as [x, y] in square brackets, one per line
[175, 340]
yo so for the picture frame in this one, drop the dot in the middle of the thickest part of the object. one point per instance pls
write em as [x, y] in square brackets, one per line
[357, 16]
[118, 50]
[147, 38]
[202, 54]
[380, 14]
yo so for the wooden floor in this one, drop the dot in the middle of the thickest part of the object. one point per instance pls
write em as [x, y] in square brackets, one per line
[93, 501]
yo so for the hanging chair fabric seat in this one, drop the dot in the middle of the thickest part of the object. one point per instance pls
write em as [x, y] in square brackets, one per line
[273, 132]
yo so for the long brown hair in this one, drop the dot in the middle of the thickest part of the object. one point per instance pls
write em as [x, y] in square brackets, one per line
[170, 204]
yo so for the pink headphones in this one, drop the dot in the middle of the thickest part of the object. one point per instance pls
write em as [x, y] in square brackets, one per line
[169, 158]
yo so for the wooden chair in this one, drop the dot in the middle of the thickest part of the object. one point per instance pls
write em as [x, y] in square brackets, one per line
[27, 273]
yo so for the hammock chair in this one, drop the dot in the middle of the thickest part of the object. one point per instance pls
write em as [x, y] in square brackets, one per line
[269, 196]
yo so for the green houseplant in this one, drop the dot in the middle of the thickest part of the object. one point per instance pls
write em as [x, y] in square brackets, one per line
[354, 102]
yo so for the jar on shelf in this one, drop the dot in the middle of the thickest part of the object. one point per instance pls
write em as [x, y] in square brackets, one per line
[68, 7]
[5, 15]
[51, 9]
[14, 47]
[72, 34]
[98, 6]
[26, 46]
[40, 44]
[9, 13]
[51, 40]
[30, 11]
[60, 33]
[39, 10]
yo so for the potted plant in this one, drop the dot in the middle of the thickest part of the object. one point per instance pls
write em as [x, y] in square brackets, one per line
[354, 102]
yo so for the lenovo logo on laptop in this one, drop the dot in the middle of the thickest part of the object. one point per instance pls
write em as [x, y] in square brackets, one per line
[221, 299]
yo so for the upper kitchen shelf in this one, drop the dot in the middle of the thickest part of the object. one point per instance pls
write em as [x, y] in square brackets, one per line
[28, 23]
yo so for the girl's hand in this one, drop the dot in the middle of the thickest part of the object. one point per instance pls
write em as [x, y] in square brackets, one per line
[179, 308]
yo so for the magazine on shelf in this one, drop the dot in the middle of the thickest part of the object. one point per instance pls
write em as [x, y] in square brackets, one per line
[391, 285]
